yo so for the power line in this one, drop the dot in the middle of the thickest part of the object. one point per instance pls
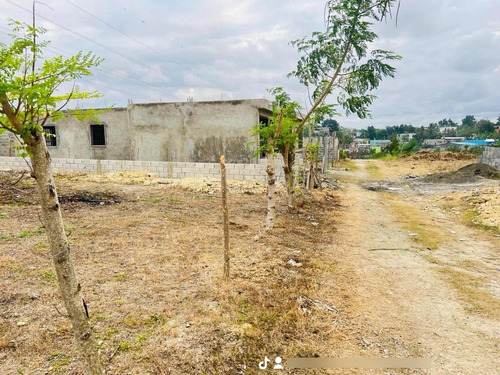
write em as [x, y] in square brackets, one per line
[78, 34]
[114, 74]
[140, 42]
[109, 49]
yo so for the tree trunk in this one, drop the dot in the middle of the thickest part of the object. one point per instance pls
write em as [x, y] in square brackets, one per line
[271, 189]
[289, 159]
[226, 216]
[60, 251]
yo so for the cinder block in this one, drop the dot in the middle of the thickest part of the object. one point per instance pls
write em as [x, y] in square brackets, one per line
[250, 166]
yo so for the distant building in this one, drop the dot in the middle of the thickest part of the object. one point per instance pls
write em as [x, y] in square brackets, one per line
[405, 137]
[448, 130]
[444, 141]
[177, 132]
[382, 143]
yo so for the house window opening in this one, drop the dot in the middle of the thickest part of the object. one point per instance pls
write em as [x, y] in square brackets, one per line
[50, 135]
[263, 122]
[97, 137]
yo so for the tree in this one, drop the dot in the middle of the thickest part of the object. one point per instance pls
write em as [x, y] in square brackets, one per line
[372, 132]
[345, 137]
[393, 148]
[445, 123]
[485, 127]
[433, 132]
[278, 134]
[331, 124]
[469, 120]
[29, 98]
[336, 60]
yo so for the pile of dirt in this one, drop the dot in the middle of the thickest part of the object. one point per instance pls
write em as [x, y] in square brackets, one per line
[445, 155]
[467, 174]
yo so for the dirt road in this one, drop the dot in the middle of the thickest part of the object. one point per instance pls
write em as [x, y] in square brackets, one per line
[407, 300]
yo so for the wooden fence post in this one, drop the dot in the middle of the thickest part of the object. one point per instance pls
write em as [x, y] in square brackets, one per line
[226, 216]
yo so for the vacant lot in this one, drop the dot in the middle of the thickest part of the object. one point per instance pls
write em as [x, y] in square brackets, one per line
[381, 274]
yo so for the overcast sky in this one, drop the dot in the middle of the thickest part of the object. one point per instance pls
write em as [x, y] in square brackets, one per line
[171, 50]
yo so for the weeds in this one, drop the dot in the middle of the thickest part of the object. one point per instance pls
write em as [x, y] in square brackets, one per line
[469, 289]
[412, 219]
[151, 200]
[30, 233]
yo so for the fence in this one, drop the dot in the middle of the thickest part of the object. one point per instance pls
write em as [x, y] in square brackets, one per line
[491, 156]
[255, 172]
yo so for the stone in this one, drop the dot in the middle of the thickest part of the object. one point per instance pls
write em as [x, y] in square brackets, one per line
[293, 263]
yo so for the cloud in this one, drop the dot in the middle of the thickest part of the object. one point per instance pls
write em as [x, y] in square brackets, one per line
[171, 50]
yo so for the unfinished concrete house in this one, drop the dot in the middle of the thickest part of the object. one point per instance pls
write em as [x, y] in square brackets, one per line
[174, 132]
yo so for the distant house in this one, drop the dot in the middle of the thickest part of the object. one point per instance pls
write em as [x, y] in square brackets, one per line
[361, 144]
[446, 130]
[405, 137]
[382, 143]
[443, 141]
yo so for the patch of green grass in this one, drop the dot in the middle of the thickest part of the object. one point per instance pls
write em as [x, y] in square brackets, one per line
[49, 275]
[173, 200]
[109, 332]
[469, 288]
[151, 200]
[39, 248]
[471, 218]
[417, 222]
[120, 276]
[349, 164]
[373, 171]
[141, 337]
[58, 361]
[30, 233]
[155, 320]
[6, 237]
[124, 346]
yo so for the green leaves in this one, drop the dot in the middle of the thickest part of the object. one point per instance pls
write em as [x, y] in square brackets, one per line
[281, 130]
[336, 60]
[30, 92]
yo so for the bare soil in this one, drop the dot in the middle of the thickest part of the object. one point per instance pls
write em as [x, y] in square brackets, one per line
[374, 274]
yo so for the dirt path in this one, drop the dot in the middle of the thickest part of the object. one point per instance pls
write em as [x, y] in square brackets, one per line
[408, 301]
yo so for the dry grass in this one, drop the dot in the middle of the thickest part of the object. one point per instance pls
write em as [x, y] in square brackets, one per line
[349, 164]
[469, 288]
[151, 274]
[394, 168]
[420, 225]
[374, 171]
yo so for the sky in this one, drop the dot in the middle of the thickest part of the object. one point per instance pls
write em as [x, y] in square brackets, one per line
[170, 51]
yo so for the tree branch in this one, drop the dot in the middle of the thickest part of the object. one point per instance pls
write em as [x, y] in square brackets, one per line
[7, 110]
[328, 87]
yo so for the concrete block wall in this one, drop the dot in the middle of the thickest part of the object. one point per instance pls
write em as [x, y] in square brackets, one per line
[6, 140]
[491, 156]
[251, 172]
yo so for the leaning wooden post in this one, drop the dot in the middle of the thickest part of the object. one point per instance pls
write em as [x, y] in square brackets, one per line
[226, 216]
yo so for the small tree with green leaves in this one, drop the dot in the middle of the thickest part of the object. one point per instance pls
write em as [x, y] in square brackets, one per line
[30, 95]
[278, 134]
[338, 60]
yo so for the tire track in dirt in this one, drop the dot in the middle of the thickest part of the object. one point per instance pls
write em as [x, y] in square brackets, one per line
[400, 305]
